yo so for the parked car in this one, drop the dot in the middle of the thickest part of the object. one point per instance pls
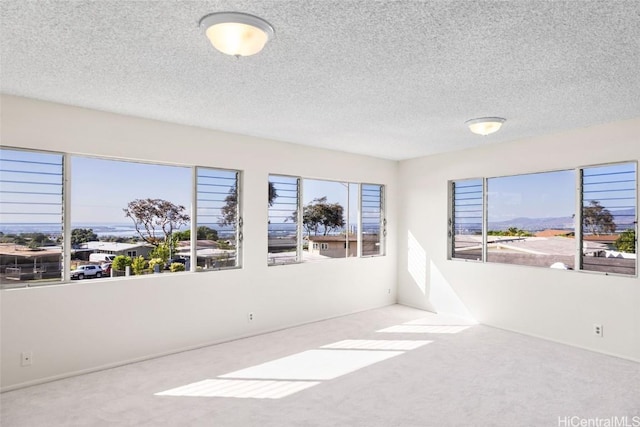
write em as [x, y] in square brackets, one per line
[106, 268]
[87, 271]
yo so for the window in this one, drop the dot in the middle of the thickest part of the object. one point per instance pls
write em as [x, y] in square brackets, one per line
[219, 223]
[129, 208]
[531, 219]
[373, 223]
[123, 208]
[283, 230]
[465, 225]
[609, 218]
[312, 220]
[30, 218]
[325, 219]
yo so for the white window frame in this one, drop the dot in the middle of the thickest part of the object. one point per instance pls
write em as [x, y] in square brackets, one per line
[578, 218]
[325, 246]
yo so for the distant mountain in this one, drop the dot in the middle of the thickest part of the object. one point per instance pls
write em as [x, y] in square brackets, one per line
[534, 224]
[622, 217]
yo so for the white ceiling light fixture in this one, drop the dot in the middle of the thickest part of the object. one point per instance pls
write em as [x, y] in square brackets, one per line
[485, 125]
[237, 34]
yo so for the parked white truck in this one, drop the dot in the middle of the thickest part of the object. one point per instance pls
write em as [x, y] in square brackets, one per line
[101, 257]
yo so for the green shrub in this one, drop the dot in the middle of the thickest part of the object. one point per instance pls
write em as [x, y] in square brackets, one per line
[120, 262]
[626, 242]
[176, 266]
[138, 265]
[156, 261]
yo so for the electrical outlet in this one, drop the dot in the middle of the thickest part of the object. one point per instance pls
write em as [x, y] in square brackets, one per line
[389, 291]
[250, 317]
[597, 329]
[26, 358]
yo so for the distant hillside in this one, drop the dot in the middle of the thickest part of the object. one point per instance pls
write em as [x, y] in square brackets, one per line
[534, 224]
[623, 218]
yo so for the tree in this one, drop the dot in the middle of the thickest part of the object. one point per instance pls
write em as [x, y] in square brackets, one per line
[597, 219]
[273, 194]
[154, 216]
[162, 251]
[82, 235]
[33, 244]
[229, 210]
[626, 242]
[206, 233]
[182, 236]
[320, 216]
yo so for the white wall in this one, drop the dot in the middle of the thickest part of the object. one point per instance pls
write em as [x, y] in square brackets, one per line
[555, 304]
[77, 327]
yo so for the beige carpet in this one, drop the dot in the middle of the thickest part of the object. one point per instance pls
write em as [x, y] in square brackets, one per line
[394, 366]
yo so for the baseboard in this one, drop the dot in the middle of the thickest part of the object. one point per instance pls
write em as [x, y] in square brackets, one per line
[175, 351]
[594, 350]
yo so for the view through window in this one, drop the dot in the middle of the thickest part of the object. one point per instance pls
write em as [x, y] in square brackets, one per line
[465, 227]
[284, 196]
[609, 218]
[312, 220]
[325, 220]
[30, 218]
[128, 217]
[531, 219]
[373, 226]
[219, 222]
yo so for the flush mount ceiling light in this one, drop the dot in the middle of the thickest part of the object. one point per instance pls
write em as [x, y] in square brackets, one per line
[235, 33]
[485, 125]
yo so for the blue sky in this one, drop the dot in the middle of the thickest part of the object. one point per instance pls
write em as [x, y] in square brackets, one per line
[119, 182]
[540, 195]
[101, 189]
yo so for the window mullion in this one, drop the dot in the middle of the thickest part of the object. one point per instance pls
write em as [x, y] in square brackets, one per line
[193, 242]
[66, 217]
[299, 222]
[359, 222]
[485, 220]
[578, 217]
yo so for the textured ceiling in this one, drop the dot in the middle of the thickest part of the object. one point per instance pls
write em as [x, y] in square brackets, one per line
[391, 79]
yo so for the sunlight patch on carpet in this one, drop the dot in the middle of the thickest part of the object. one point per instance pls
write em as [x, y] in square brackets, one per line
[425, 329]
[240, 388]
[442, 320]
[314, 365]
[378, 344]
